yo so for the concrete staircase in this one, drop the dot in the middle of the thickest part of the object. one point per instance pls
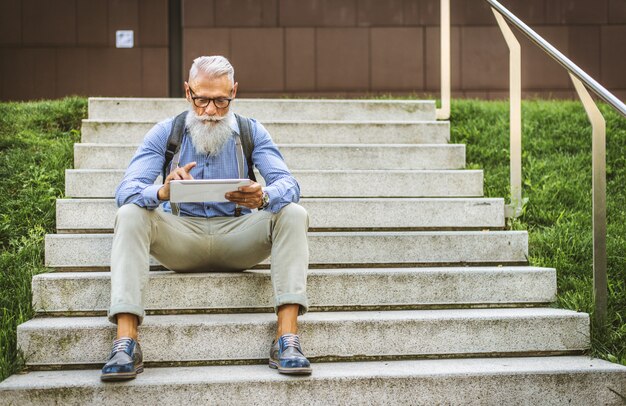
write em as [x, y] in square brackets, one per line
[419, 295]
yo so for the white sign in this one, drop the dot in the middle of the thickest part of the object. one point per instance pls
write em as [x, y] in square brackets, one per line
[124, 39]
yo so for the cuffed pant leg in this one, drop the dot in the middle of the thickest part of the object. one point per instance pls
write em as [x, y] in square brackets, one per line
[290, 256]
[130, 261]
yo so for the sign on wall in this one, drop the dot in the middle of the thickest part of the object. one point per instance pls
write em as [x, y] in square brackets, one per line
[124, 39]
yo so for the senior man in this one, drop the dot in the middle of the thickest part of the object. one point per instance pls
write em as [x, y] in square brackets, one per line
[209, 236]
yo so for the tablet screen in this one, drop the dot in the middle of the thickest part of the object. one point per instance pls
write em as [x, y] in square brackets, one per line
[204, 190]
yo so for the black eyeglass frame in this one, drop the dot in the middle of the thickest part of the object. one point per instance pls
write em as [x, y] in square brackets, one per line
[208, 101]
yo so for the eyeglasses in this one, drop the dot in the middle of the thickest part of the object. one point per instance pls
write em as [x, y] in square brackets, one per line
[203, 102]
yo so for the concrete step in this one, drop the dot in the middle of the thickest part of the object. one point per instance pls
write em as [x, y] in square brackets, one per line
[141, 109]
[345, 248]
[98, 215]
[293, 132]
[88, 293]
[569, 380]
[302, 156]
[320, 183]
[228, 338]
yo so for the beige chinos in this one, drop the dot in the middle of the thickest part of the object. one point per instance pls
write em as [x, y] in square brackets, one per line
[198, 244]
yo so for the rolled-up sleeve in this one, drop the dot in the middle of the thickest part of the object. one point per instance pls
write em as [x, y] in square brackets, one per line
[281, 186]
[138, 186]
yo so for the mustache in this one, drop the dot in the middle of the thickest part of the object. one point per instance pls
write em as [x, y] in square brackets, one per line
[215, 118]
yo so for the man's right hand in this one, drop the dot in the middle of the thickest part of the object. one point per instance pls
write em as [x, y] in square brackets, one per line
[177, 174]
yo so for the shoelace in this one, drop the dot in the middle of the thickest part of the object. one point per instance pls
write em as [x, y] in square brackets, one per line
[291, 340]
[121, 345]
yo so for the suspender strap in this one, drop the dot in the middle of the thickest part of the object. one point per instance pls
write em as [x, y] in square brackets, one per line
[174, 165]
[240, 168]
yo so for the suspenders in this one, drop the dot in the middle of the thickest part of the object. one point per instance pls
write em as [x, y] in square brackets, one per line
[240, 169]
[244, 149]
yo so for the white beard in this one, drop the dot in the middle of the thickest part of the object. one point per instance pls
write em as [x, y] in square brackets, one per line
[209, 134]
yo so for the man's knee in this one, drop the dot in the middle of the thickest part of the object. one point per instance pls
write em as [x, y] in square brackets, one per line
[294, 214]
[131, 215]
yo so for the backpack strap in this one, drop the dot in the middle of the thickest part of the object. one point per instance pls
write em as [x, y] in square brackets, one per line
[247, 143]
[173, 141]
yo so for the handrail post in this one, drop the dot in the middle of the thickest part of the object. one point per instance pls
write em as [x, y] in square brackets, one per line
[598, 125]
[514, 209]
[444, 112]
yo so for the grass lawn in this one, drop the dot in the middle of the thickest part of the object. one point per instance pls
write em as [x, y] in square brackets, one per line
[556, 166]
[36, 146]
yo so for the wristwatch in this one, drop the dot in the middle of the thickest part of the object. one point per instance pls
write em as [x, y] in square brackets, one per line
[265, 201]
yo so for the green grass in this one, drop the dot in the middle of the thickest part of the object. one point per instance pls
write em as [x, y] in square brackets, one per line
[556, 166]
[35, 148]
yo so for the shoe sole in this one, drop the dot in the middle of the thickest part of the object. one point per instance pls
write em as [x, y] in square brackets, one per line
[295, 371]
[122, 376]
[290, 371]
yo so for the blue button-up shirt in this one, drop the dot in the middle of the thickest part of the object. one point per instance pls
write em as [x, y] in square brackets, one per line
[138, 186]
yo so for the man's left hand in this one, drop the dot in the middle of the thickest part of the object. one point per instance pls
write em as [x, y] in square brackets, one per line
[250, 196]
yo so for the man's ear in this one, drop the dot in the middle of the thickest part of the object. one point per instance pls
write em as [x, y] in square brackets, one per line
[187, 94]
[234, 90]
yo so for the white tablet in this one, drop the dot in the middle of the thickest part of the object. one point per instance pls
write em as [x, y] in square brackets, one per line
[204, 190]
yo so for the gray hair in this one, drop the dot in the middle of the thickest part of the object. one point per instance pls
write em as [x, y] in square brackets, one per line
[213, 66]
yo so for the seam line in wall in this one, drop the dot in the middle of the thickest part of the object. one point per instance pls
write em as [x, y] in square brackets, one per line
[315, 58]
[370, 59]
[284, 34]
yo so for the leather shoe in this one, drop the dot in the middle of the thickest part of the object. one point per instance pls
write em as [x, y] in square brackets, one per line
[286, 356]
[124, 362]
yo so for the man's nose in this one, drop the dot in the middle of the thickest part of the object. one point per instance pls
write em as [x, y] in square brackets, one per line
[210, 109]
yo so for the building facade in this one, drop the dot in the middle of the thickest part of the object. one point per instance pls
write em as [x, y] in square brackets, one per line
[307, 48]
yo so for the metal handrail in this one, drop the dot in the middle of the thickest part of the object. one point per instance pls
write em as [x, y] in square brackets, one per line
[570, 66]
[582, 81]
